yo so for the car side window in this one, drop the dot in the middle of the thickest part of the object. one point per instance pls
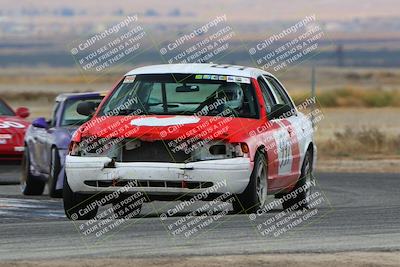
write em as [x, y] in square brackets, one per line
[268, 98]
[54, 115]
[279, 92]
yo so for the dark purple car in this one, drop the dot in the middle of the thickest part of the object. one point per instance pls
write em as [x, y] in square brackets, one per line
[46, 144]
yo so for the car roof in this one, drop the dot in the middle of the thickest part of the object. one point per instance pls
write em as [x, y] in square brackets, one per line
[200, 68]
[65, 96]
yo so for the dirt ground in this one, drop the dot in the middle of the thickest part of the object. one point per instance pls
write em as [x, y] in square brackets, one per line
[336, 119]
[349, 259]
[359, 166]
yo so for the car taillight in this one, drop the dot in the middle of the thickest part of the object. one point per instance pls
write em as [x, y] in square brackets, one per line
[74, 149]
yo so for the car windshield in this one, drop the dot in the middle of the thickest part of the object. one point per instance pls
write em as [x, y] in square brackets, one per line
[183, 94]
[5, 110]
[70, 117]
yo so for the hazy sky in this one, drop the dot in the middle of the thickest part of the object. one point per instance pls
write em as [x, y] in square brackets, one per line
[253, 10]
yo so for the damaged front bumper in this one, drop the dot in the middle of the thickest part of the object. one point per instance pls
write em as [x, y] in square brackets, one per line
[96, 175]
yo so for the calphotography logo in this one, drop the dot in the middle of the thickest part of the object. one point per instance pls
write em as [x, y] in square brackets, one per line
[203, 44]
[290, 46]
[110, 47]
[296, 214]
[110, 220]
[201, 216]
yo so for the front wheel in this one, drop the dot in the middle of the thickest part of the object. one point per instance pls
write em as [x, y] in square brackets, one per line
[55, 167]
[30, 184]
[255, 194]
[77, 206]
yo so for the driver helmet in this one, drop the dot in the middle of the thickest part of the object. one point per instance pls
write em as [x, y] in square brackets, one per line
[232, 93]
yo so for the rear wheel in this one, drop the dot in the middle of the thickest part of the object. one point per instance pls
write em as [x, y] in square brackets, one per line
[55, 167]
[302, 198]
[77, 206]
[255, 194]
[30, 184]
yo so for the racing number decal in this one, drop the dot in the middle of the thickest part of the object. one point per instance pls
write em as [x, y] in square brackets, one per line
[284, 150]
[293, 142]
[10, 124]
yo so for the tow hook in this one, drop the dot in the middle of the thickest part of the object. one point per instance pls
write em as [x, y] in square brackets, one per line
[111, 164]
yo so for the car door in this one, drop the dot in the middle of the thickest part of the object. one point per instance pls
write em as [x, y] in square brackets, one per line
[36, 147]
[48, 143]
[290, 135]
[43, 140]
[275, 140]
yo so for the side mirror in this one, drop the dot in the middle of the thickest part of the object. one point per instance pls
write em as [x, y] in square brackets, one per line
[280, 111]
[86, 108]
[40, 123]
[22, 112]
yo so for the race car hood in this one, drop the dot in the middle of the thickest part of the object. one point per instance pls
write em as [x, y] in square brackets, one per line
[13, 129]
[163, 127]
[13, 124]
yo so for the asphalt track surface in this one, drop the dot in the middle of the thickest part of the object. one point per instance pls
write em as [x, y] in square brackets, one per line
[357, 212]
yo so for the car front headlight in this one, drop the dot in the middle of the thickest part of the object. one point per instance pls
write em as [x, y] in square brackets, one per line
[74, 149]
[220, 150]
[96, 147]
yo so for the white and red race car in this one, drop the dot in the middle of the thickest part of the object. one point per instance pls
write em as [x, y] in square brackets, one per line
[12, 131]
[174, 131]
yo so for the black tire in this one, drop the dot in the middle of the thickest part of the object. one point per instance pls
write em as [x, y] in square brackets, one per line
[74, 202]
[301, 201]
[55, 167]
[31, 185]
[255, 194]
[129, 210]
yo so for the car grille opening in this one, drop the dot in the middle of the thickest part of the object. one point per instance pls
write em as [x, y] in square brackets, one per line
[150, 183]
[10, 156]
[157, 151]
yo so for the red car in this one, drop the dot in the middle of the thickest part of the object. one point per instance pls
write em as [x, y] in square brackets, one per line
[191, 132]
[12, 131]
